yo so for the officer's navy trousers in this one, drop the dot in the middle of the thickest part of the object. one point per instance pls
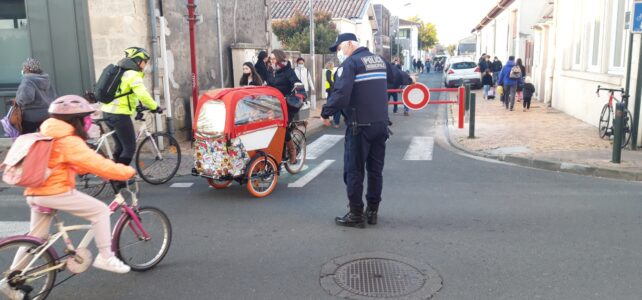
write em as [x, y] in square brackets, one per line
[365, 150]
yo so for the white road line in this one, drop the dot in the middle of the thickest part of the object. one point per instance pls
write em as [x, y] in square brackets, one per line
[321, 145]
[420, 148]
[301, 182]
[13, 228]
[181, 184]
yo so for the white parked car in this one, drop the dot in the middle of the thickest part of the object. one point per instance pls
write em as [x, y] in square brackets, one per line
[459, 72]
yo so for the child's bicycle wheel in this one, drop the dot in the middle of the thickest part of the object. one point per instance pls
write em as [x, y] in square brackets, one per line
[133, 249]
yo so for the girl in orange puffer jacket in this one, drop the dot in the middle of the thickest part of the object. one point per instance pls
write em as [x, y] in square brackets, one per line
[70, 155]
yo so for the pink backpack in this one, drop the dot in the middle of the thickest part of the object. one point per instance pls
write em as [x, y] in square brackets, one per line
[27, 161]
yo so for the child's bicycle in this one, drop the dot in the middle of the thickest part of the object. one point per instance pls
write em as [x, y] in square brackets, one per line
[141, 239]
[607, 117]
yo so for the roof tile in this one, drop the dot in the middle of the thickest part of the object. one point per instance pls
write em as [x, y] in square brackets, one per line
[284, 9]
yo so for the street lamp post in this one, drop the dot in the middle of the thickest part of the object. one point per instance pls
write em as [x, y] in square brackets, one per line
[191, 17]
[314, 61]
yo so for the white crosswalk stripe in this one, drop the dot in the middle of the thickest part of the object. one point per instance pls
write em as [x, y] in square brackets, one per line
[301, 182]
[13, 228]
[321, 145]
[181, 185]
[420, 148]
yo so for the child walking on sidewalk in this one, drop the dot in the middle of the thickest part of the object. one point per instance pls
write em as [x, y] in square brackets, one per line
[487, 82]
[528, 90]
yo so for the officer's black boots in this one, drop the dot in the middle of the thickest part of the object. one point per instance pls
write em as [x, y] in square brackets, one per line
[354, 218]
[371, 216]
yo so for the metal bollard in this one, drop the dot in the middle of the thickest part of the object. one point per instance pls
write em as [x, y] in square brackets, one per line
[471, 125]
[467, 87]
[618, 127]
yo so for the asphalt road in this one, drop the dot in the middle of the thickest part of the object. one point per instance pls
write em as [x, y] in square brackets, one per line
[491, 230]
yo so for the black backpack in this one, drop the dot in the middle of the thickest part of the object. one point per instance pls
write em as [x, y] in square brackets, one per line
[107, 86]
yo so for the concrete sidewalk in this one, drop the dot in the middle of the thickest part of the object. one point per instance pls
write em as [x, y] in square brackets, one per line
[543, 138]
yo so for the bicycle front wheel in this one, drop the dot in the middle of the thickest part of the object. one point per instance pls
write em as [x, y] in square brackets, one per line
[605, 120]
[133, 248]
[298, 137]
[158, 158]
[10, 277]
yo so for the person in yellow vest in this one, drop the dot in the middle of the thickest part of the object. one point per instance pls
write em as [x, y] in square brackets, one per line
[118, 113]
[329, 83]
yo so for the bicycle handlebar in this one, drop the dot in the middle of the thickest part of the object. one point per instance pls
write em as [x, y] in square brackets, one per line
[600, 88]
[140, 109]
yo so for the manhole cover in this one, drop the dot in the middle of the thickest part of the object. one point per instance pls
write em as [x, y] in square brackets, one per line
[379, 275]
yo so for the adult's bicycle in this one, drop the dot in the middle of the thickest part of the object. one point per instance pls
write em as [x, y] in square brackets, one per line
[607, 117]
[157, 157]
[141, 239]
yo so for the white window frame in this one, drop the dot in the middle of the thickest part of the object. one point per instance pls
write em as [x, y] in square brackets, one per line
[597, 14]
[625, 36]
[578, 34]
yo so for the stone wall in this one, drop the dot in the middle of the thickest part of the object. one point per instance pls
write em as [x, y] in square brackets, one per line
[118, 24]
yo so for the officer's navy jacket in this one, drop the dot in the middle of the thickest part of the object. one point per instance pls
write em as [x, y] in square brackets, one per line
[360, 83]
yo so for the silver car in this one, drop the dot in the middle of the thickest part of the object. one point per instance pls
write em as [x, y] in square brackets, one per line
[462, 72]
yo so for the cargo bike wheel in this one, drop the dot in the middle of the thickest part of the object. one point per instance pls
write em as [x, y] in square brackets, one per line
[262, 176]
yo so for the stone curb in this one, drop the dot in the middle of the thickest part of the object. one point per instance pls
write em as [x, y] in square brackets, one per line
[556, 166]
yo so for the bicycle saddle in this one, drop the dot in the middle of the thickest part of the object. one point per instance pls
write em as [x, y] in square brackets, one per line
[42, 209]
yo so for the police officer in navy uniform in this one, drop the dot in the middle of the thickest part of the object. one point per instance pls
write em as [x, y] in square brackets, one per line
[359, 92]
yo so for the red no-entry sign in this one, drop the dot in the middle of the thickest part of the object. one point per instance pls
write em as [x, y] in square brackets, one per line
[416, 96]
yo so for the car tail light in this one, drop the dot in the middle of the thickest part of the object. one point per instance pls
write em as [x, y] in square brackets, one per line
[477, 70]
[451, 71]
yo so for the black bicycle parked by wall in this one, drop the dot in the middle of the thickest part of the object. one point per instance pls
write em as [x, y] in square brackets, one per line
[607, 117]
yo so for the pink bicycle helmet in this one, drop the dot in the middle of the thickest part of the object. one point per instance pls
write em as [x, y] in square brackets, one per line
[70, 105]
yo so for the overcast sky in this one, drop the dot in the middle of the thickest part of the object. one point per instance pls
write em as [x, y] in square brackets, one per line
[454, 19]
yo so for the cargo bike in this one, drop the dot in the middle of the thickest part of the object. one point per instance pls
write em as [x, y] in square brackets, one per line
[240, 135]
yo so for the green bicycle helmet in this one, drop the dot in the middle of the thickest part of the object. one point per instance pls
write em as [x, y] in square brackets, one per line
[137, 53]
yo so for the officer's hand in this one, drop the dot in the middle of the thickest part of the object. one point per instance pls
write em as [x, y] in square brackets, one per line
[158, 110]
[326, 122]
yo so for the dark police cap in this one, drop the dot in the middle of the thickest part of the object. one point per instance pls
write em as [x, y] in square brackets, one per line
[342, 38]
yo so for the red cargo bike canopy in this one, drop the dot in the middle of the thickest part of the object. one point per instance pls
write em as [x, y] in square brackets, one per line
[230, 98]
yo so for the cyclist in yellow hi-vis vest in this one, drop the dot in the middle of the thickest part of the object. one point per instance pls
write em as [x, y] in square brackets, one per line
[118, 113]
[329, 83]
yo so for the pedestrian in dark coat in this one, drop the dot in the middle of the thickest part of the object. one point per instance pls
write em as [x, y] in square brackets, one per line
[399, 78]
[250, 76]
[496, 68]
[521, 84]
[282, 77]
[483, 65]
[34, 95]
[261, 65]
[487, 82]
